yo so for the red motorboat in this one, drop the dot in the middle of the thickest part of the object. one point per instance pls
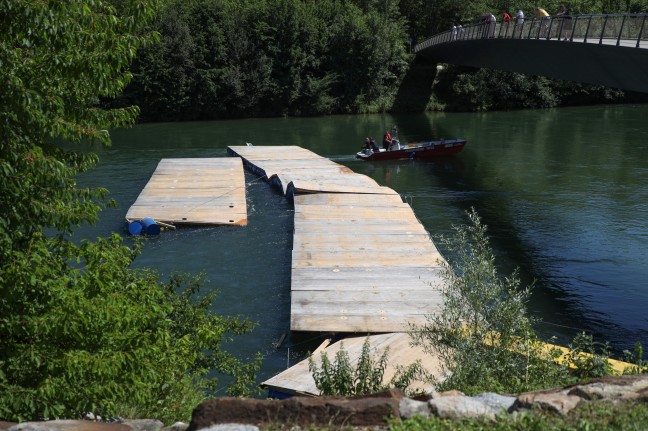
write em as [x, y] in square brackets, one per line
[414, 150]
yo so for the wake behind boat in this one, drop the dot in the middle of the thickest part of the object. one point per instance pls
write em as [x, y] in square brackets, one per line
[414, 150]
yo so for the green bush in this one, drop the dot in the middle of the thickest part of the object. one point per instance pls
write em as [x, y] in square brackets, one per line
[80, 330]
[483, 335]
[590, 416]
[341, 379]
[98, 336]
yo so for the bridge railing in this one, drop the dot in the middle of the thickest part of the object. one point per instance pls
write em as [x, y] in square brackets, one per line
[630, 30]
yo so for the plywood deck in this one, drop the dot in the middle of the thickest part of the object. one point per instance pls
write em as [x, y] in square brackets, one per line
[361, 266]
[298, 170]
[361, 260]
[194, 191]
[299, 381]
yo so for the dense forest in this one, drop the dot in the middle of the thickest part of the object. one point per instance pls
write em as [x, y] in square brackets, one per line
[232, 58]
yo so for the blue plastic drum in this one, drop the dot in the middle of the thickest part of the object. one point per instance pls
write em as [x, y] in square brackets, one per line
[149, 227]
[134, 228]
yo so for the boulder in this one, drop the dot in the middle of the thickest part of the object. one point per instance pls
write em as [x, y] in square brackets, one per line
[231, 427]
[460, 407]
[498, 403]
[69, 425]
[409, 408]
[297, 411]
[611, 387]
[556, 401]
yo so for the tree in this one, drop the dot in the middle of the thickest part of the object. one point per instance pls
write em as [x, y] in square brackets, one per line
[79, 329]
[483, 335]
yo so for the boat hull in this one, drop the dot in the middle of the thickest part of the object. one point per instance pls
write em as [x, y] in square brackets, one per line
[423, 150]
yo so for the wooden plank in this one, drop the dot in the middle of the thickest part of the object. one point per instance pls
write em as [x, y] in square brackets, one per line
[194, 191]
[421, 299]
[408, 285]
[233, 192]
[360, 227]
[342, 199]
[359, 258]
[298, 379]
[366, 278]
[343, 238]
[361, 323]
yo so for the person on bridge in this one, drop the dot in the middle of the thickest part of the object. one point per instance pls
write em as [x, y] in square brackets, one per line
[519, 23]
[507, 22]
[544, 21]
[519, 17]
[566, 25]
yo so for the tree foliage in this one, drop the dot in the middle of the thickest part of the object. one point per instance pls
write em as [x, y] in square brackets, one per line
[484, 336]
[79, 329]
[231, 58]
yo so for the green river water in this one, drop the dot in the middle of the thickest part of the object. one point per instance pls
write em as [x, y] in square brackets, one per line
[564, 193]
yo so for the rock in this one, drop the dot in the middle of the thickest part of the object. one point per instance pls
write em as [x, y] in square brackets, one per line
[144, 424]
[556, 401]
[69, 425]
[498, 403]
[6, 425]
[460, 407]
[392, 393]
[231, 427]
[451, 393]
[409, 408]
[178, 426]
[611, 387]
[296, 411]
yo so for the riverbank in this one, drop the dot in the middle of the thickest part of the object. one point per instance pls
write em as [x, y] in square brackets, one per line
[619, 402]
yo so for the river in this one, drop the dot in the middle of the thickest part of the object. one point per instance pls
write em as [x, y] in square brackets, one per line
[564, 194]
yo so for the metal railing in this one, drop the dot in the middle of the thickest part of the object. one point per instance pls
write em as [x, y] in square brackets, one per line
[630, 30]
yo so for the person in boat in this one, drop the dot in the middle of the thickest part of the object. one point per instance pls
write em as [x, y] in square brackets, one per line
[373, 144]
[387, 140]
[367, 145]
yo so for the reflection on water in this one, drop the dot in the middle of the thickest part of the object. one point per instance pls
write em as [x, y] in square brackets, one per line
[563, 192]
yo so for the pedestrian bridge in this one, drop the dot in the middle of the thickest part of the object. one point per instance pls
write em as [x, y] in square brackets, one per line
[609, 50]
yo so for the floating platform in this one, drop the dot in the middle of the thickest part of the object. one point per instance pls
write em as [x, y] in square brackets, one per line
[298, 380]
[361, 260]
[297, 170]
[208, 191]
[361, 263]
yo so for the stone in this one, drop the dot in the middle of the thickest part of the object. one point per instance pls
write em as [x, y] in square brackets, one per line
[231, 427]
[392, 393]
[144, 424]
[409, 408]
[296, 411]
[178, 426]
[611, 387]
[6, 425]
[451, 393]
[69, 425]
[556, 401]
[498, 403]
[460, 407]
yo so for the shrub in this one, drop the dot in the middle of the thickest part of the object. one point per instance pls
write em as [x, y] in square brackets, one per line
[102, 337]
[341, 379]
[483, 335]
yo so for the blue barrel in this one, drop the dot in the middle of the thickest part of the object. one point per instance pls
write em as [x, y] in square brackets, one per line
[134, 228]
[149, 227]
